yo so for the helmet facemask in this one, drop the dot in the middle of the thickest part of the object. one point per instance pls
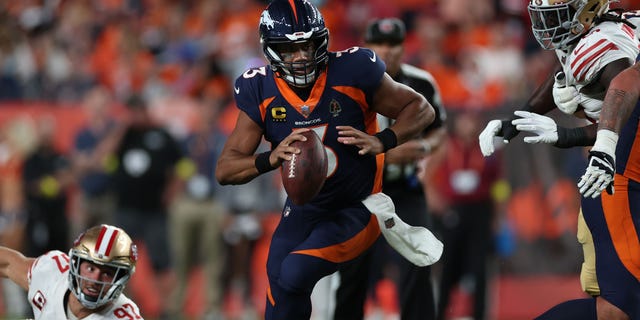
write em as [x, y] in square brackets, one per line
[556, 24]
[298, 73]
[106, 291]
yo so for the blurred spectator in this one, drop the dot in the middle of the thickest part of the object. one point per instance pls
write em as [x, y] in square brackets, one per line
[96, 201]
[467, 12]
[16, 139]
[47, 176]
[197, 214]
[10, 87]
[145, 185]
[248, 204]
[460, 196]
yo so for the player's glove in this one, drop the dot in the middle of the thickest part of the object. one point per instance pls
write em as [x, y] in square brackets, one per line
[602, 164]
[566, 97]
[544, 128]
[487, 136]
[591, 107]
[490, 137]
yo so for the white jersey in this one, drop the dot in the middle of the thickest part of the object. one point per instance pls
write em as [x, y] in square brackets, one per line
[605, 43]
[49, 282]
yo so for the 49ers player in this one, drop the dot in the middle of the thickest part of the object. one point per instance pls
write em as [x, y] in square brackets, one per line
[593, 45]
[86, 284]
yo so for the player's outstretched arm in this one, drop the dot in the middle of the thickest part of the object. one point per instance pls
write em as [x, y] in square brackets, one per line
[545, 130]
[540, 102]
[619, 102]
[15, 266]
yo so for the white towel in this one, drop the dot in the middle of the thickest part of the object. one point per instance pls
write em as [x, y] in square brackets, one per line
[416, 244]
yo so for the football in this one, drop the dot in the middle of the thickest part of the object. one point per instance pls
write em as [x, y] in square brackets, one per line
[303, 176]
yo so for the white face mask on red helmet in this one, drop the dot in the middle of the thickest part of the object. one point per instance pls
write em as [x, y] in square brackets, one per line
[102, 245]
[556, 24]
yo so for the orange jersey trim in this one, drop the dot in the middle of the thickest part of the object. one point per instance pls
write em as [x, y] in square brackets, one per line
[270, 296]
[349, 249]
[620, 224]
[295, 101]
[371, 127]
[263, 107]
[355, 94]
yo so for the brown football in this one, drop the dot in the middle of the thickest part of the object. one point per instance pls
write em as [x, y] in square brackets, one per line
[303, 176]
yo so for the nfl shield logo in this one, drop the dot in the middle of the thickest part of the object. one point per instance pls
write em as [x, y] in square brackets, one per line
[305, 111]
[389, 223]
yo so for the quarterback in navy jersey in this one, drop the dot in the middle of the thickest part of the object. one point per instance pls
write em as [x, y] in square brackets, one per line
[338, 95]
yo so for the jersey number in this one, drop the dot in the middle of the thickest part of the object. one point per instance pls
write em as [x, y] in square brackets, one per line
[62, 261]
[253, 72]
[127, 311]
[331, 156]
[350, 50]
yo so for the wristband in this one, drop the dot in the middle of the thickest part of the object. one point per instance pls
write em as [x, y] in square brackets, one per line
[388, 138]
[262, 162]
[507, 130]
[573, 137]
[606, 141]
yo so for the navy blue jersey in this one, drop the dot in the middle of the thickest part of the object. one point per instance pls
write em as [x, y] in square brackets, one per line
[341, 96]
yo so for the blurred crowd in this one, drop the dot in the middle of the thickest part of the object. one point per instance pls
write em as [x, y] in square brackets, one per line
[69, 70]
[56, 50]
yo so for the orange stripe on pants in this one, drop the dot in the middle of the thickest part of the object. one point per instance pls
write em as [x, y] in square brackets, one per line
[349, 249]
[620, 224]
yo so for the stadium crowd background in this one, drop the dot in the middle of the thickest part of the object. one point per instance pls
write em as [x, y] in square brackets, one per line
[181, 55]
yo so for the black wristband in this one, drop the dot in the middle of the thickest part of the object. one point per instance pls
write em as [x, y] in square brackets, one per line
[262, 162]
[572, 137]
[388, 138]
[508, 131]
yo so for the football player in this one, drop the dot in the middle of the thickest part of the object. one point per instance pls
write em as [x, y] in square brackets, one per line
[337, 94]
[86, 284]
[593, 45]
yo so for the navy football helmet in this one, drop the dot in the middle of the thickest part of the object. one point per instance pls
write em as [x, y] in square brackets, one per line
[294, 22]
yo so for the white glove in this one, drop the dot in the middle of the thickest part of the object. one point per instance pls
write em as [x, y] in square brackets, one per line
[566, 97]
[592, 107]
[488, 136]
[602, 166]
[544, 128]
